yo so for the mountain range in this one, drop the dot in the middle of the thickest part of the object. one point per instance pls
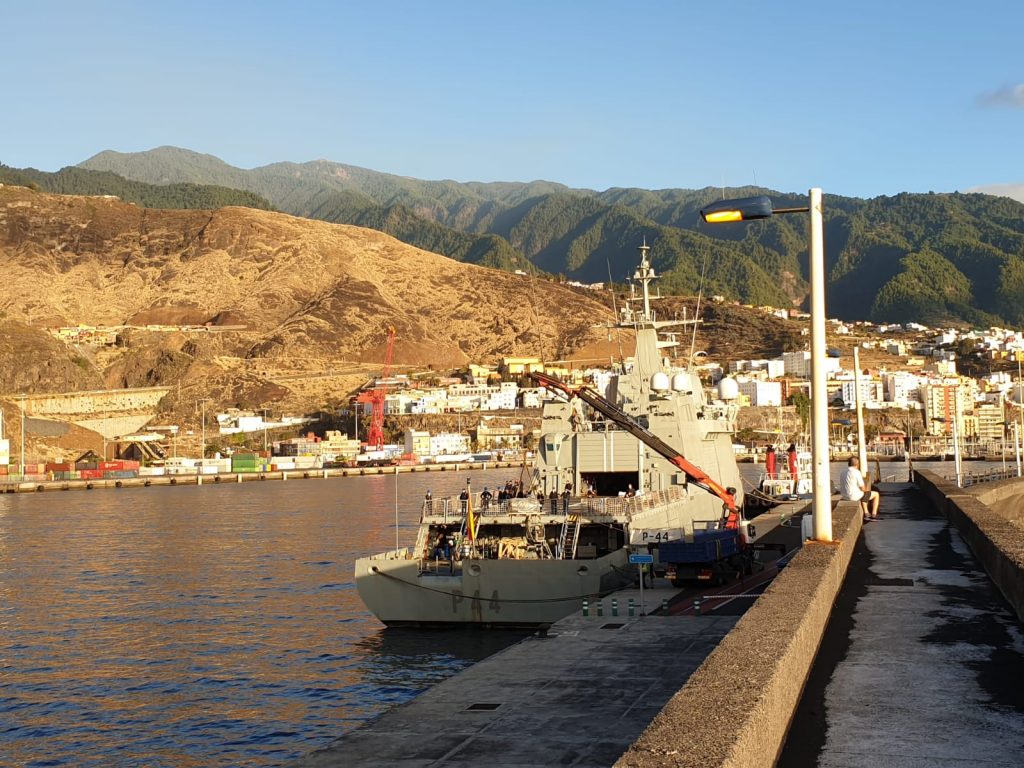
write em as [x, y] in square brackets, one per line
[80, 181]
[934, 258]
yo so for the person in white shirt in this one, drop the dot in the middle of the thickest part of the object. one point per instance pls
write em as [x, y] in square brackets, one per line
[853, 488]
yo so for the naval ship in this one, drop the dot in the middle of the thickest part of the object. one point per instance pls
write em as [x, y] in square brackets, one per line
[622, 465]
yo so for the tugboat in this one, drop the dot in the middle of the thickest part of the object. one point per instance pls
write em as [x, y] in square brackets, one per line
[623, 465]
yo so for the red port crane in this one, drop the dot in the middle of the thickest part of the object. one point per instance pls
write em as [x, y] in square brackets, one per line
[375, 437]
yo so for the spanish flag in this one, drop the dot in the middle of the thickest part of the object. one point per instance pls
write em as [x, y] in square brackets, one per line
[470, 522]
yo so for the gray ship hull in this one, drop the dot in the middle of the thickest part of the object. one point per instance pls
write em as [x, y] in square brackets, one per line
[485, 593]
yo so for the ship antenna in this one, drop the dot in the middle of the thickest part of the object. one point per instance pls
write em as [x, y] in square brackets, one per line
[615, 309]
[696, 316]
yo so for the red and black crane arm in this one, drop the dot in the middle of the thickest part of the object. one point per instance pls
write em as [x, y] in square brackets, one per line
[694, 474]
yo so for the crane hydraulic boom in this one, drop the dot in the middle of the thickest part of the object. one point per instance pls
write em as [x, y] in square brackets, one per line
[694, 474]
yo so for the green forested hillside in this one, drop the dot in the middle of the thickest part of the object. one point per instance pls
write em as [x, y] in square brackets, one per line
[79, 181]
[934, 258]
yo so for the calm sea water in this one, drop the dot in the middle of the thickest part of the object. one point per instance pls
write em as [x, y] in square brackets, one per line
[207, 626]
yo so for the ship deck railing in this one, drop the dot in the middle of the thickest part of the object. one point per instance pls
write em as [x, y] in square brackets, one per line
[452, 511]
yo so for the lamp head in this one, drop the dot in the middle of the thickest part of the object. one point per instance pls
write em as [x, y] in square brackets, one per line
[739, 209]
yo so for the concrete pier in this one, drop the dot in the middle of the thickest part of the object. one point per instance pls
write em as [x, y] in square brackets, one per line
[579, 697]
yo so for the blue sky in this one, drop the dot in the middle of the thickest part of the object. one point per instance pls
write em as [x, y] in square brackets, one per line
[861, 98]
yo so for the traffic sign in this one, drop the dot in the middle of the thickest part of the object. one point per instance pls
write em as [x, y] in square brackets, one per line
[641, 559]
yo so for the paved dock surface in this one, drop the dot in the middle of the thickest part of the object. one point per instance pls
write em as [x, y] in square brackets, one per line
[578, 697]
[922, 663]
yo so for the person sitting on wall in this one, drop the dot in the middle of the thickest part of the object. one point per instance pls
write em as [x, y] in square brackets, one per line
[853, 488]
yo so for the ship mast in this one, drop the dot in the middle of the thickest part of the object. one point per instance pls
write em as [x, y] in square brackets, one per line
[644, 275]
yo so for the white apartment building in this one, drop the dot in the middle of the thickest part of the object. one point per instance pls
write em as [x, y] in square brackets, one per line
[870, 393]
[530, 398]
[798, 364]
[482, 397]
[448, 443]
[428, 401]
[761, 393]
[902, 388]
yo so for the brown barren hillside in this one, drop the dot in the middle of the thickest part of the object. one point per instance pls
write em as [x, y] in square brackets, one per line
[301, 287]
[293, 313]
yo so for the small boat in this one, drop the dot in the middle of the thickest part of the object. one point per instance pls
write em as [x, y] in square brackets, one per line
[782, 485]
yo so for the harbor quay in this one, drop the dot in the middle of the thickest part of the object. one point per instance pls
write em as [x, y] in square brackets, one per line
[39, 486]
[899, 643]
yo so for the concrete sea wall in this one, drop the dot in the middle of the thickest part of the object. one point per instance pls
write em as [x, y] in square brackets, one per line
[735, 710]
[996, 537]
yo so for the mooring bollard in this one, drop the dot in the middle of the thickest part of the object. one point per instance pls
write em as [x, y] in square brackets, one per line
[696, 607]
[586, 607]
[615, 607]
[664, 605]
[631, 607]
[600, 607]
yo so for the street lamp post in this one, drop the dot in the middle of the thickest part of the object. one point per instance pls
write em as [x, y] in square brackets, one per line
[264, 430]
[750, 208]
[1016, 447]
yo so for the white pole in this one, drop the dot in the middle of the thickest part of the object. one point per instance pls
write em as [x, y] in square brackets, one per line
[202, 448]
[1020, 397]
[956, 447]
[396, 508]
[862, 449]
[822, 506]
[1016, 447]
[641, 569]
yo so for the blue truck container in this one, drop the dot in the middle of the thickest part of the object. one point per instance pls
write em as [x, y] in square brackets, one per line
[706, 547]
[711, 556]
